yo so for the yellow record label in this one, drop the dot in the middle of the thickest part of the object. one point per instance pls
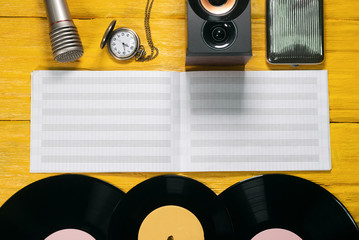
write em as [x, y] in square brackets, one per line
[171, 223]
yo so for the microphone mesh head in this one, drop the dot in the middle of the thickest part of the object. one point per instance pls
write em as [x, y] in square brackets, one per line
[65, 42]
[69, 56]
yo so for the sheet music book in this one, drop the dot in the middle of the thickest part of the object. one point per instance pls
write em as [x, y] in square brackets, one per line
[137, 121]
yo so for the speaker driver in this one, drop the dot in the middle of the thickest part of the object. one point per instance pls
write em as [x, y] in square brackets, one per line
[218, 7]
[218, 10]
[219, 35]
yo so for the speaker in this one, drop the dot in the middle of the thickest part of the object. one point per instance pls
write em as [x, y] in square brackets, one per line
[219, 32]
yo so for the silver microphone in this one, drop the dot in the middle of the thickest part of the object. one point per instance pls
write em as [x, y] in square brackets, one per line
[65, 40]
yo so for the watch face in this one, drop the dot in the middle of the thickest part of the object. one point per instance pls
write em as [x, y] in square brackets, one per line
[123, 43]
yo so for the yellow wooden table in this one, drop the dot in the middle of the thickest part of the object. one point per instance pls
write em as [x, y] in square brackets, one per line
[25, 47]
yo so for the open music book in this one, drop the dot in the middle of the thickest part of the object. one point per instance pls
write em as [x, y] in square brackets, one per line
[119, 121]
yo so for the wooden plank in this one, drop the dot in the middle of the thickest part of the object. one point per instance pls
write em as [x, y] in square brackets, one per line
[350, 116]
[161, 9]
[22, 52]
[98, 8]
[24, 47]
[342, 181]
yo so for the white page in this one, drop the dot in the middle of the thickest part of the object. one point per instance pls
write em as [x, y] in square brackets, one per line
[85, 121]
[255, 121]
[131, 121]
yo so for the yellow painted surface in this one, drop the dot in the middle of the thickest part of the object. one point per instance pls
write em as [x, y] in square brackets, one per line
[24, 47]
[173, 221]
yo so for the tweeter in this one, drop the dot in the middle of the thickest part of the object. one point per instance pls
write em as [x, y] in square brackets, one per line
[219, 35]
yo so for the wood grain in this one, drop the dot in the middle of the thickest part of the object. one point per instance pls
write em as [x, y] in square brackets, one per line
[162, 9]
[24, 47]
[342, 180]
[19, 58]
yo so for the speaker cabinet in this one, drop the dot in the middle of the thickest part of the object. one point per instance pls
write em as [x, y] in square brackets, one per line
[219, 32]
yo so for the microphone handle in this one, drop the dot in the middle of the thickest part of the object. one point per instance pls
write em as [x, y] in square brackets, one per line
[57, 10]
[65, 40]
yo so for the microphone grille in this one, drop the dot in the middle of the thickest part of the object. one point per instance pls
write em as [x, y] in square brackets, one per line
[65, 42]
[69, 56]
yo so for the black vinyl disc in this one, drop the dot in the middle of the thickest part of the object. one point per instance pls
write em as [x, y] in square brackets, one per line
[169, 190]
[237, 10]
[289, 203]
[56, 203]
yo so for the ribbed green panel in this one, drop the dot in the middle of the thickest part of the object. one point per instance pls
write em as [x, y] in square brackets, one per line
[295, 31]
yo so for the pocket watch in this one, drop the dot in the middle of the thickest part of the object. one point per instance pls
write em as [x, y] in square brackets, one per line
[122, 43]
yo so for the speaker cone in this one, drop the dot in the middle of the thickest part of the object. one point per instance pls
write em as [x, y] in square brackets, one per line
[218, 10]
[219, 35]
[218, 7]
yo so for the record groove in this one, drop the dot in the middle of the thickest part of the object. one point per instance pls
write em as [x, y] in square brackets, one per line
[276, 201]
[60, 202]
[165, 191]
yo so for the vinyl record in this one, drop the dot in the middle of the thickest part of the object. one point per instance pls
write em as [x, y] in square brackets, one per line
[169, 191]
[281, 207]
[61, 207]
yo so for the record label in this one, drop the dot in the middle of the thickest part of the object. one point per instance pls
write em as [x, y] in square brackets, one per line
[193, 205]
[285, 207]
[171, 222]
[70, 234]
[276, 234]
[63, 207]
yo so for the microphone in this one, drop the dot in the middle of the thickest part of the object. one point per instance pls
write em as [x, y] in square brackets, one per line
[65, 40]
